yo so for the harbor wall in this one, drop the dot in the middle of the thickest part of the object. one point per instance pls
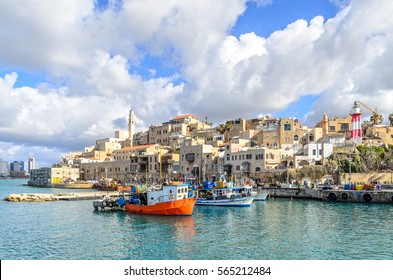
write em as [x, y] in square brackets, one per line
[333, 195]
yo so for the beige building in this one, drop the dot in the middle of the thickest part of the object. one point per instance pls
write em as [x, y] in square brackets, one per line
[128, 152]
[175, 129]
[380, 131]
[335, 125]
[283, 133]
[291, 132]
[251, 162]
[46, 176]
[141, 138]
[128, 164]
[119, 170]
[198, 159]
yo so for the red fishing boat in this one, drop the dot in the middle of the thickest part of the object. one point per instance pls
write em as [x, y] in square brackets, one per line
[172, 200]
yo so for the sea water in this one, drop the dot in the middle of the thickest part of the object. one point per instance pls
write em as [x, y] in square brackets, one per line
[275, 229]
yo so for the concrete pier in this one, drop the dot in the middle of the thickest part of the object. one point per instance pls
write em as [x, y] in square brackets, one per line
[333, 195]
[39, 197]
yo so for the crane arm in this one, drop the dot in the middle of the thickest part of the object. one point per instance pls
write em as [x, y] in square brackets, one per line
[373, 111]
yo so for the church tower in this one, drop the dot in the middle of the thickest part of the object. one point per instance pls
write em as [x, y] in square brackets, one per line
[131, 127]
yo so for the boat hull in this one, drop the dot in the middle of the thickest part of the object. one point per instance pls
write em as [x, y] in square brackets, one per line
[236, 202]
[261, 197]
[181, 207]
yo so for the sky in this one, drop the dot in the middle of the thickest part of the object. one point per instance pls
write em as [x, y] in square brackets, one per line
[71, 70]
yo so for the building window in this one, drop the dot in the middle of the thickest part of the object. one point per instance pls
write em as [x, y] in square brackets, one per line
[237, 167]
[344, 127]
[295, 138]
[228, 157]
[287, 127]
[320, 152]
[314, 152]
[332, 128]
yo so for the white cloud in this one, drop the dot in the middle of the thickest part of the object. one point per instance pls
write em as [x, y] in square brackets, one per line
[91, 59]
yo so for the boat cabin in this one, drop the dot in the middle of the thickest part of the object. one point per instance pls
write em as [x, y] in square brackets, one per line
[168, 193]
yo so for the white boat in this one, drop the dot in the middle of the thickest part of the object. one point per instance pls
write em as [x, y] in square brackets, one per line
[225, 194]
[261, 196]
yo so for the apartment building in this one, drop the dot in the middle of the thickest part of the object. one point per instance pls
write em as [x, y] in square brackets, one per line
[197, 158]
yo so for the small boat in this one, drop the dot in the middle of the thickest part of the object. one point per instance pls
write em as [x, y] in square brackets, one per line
[106, 202]
[261, 196]
[225, 194]
[172, 200]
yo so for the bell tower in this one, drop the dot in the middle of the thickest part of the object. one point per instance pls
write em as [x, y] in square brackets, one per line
[131, 127]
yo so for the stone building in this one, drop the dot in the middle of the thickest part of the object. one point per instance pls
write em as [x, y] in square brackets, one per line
[46, 176]
[380, 131]
[197, 158]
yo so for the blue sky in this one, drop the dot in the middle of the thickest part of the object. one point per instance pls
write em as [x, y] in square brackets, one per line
[72, 81]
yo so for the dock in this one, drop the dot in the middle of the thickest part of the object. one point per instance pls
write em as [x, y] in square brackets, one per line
[40, 197]
[333, 195]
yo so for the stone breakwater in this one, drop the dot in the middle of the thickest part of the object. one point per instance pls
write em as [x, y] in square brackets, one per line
[40, 197]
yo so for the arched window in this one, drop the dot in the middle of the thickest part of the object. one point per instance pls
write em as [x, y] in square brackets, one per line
[257, 169]
[296, 138]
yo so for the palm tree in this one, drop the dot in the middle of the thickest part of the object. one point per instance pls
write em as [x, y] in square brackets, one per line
[224, 128]
[391, 119]
[376, 118]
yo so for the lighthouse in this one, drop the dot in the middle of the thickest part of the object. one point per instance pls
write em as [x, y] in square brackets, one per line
[356, 132]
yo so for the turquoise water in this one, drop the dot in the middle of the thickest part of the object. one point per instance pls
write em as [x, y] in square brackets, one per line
[278, 229]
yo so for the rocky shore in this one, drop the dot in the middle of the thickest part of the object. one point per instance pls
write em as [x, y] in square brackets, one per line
[40, 197]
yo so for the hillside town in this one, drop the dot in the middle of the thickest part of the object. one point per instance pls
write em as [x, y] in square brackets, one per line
[263, 150]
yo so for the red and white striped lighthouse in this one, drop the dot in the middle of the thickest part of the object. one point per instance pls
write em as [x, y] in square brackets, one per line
[356, 132]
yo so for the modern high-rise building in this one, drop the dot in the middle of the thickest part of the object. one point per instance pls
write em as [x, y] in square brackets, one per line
[18, 166]
[4, 168]
[30, 164]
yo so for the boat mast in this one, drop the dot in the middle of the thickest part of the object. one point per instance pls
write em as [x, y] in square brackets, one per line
[159, 158]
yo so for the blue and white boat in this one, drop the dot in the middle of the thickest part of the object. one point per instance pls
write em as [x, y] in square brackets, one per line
[225, 194]
[261, 196]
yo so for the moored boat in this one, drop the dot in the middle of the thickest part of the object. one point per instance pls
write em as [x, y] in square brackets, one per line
[225, 194]
[261, 196]
[172, 200]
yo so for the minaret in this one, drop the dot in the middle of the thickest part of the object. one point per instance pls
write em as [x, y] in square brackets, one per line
[325, 125]
[356, 132]
[131, 127]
